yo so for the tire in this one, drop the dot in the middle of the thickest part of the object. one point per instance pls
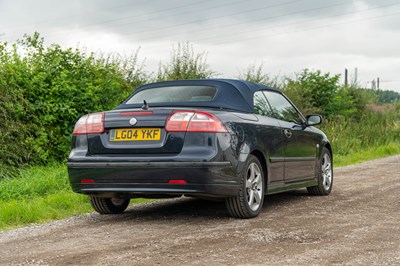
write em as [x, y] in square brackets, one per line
[325, 178]
[250, 198]
[108, 205]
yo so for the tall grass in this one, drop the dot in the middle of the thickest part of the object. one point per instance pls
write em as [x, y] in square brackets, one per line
[38, 194]
[37, 181]
[374, 135]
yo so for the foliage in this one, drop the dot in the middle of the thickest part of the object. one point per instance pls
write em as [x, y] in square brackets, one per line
[374, 130]
[386, 96]
[257, 74]
[44, 90]
[360, 98]
[314, 92]
[185, 64]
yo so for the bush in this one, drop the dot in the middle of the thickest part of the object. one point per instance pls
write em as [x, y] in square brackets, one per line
[256, 74]
[314, 92]
[185, 64]
[44, 90]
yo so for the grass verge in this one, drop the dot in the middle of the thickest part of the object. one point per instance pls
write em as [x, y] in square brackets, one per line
[16, 213]
[367, 154]
[39, 194]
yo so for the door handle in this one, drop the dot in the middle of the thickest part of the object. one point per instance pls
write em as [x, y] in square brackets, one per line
[288, 133]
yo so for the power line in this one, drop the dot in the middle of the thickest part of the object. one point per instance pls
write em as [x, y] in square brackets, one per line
[302, 22]
[213, 19]
[320, 27]
[224, 40]
[126, 17]
[252, 21]
[244, 22]
[92, 12]
[151, 13]
[146, 15]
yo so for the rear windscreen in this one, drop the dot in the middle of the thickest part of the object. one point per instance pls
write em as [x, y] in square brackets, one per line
[174, 94]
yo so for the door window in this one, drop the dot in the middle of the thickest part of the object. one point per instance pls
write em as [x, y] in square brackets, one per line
[282, 108]
[261, 106]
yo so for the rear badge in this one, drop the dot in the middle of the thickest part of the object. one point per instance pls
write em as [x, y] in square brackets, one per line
[133, 121]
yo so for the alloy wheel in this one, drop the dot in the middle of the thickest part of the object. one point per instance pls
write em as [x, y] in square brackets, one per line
[326, 168]
[254, 186]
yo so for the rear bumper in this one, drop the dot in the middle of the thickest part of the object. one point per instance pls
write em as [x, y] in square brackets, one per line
[106, 165]
[149, 179]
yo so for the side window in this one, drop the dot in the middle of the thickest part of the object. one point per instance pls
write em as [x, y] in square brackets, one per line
[282, 108]
[261, 106]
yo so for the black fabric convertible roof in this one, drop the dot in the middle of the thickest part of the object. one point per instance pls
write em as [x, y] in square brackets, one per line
[232, 94]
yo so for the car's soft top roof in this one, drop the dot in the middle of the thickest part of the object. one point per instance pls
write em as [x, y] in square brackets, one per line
[232, 94]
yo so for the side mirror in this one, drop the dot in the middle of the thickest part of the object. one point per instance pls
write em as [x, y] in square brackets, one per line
[313, 120]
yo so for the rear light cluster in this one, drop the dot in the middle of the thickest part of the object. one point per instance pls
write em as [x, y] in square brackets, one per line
[194, 121]
[89, 124]
[178, 121]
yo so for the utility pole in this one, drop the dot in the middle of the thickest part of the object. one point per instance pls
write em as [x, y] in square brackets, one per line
[346, 77]
[355, 76]
[377, 83]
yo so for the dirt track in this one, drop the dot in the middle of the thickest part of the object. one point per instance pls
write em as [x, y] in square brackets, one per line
[359, 223]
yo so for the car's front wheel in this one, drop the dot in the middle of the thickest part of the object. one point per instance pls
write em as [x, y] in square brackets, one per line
[109, 205]
[325, 179]
[249, 201]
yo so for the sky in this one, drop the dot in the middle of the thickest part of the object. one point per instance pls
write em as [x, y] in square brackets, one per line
[284, 36]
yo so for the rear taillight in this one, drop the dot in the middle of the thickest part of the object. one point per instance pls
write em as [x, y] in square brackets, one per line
[178, 121]
[194, 121]
[90, 124]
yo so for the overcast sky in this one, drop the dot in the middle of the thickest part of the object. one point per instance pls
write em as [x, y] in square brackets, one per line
[285, 36]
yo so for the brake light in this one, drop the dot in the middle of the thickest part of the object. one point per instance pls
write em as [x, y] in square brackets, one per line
[89, 124]
[194, 121]
[139, 113]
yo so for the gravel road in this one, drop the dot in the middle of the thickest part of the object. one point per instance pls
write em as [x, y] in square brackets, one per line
[358, 224]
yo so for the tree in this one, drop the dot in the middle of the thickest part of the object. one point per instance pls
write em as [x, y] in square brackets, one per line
[257, 74]
[185, 64]
[317, 92]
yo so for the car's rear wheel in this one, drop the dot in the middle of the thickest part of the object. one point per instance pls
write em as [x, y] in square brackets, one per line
[325, 180]
[249, 201]
[109, 205]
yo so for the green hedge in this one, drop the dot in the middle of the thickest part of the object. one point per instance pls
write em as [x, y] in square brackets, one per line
[44, 90]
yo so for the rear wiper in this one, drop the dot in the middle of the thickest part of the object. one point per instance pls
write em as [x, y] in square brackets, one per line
[145, 106]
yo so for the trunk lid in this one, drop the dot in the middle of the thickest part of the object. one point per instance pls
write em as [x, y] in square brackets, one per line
[136, 131]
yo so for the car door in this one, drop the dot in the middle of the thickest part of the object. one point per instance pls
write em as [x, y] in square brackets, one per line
[300, 143]
[271, 139]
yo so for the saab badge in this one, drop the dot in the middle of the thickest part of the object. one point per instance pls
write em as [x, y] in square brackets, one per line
[133, 121]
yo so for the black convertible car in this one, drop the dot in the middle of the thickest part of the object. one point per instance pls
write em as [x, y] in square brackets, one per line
[211, 138]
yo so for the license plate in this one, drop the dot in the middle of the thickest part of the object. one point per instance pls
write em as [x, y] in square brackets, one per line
[135, 134]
